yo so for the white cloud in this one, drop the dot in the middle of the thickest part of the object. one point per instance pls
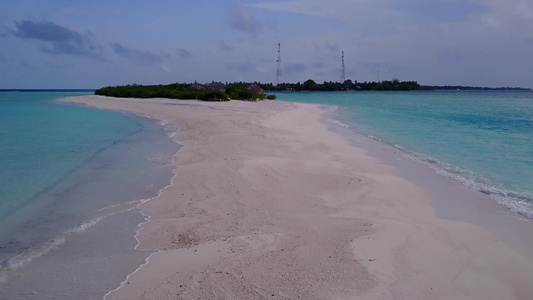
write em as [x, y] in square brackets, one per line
[244, 21]
[184, 53]
[348, 11]
[137, 56]
[512, 17]
[392, 16]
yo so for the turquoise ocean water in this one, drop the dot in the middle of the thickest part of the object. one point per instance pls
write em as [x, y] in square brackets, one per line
[66, 171]
[483, 139]
[42, 143]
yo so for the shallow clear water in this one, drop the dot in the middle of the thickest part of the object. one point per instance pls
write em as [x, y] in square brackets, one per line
[70, 180]
[484, 139]
[42, 143]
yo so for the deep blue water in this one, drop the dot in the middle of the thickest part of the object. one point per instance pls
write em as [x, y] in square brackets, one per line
[64, 171]
[484, 139]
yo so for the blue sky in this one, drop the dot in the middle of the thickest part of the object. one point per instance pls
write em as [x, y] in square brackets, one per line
[89, 44]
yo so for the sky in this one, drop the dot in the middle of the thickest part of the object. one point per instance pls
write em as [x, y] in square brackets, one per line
[95, 43]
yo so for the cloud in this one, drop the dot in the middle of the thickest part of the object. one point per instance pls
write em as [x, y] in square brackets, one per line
[441, 11]
[137, 56]
[46, 31]
[226, 47]
[388, 17]
[512, 17]
[166, 69]
[243, 21]
[342, 10]
[374, 18]
[183, 53]
[60, 39]
[4, 32]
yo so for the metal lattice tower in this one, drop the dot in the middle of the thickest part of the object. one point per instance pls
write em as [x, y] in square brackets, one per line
[279, 71]
[343, 69]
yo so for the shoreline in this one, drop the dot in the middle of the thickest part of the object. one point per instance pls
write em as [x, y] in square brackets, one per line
[498, 218]
[487, 157]
[285, 193]
[84, 222]
[147, 217]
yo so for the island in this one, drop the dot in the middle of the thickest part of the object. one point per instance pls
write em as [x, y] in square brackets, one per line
[253, 91]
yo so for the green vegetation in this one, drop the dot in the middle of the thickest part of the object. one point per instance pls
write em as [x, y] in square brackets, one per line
[182, 91]
[348, 85]
[387, 85]
[238, 90]
[241, 90]
[172, 91]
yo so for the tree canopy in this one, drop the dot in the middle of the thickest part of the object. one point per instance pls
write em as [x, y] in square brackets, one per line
[348, 85]
[181, 91]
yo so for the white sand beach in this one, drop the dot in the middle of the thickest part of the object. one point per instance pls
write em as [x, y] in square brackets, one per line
[268, 203]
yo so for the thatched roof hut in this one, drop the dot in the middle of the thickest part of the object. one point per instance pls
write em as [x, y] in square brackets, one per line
[216, 88]
[196, 87]
[255, 91]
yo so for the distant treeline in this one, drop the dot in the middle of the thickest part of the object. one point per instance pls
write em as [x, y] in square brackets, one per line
[311, 85]
[387, 85]
[180, 91]
[473, 88]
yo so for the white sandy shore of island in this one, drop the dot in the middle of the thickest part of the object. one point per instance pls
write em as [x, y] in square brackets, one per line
[267, 203]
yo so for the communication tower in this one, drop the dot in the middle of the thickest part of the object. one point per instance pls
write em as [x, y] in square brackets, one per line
[343, 69]
[279, 71]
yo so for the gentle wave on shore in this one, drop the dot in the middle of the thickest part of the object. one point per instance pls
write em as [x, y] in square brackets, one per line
[74, 235]
[481, 139]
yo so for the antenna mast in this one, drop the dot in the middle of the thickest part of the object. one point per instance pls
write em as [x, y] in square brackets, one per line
[343, 70]
[279, 72]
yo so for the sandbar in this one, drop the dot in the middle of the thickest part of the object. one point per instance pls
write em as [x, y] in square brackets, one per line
[268, 203]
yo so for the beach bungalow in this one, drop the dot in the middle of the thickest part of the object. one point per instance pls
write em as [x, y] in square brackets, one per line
[196, 87]
[255, 92]
[216, 88]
